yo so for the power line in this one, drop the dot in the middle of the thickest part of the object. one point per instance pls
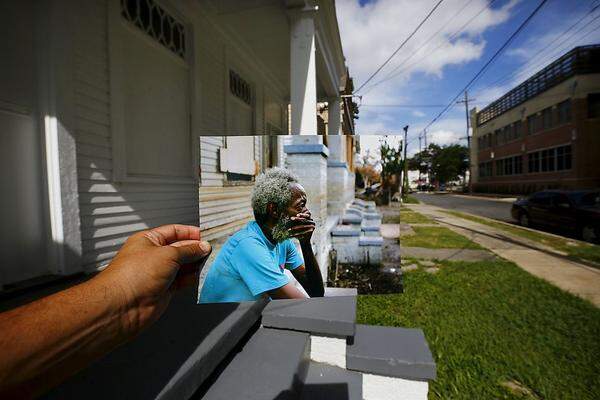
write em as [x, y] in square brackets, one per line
[424, 44]
[489, 62]
[400, 47]
[452, 37]
[538, 64]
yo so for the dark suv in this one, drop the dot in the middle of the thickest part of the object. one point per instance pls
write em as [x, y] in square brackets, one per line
[575, 211]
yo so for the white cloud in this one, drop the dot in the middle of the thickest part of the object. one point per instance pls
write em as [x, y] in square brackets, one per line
[418, 114]
[537, 52]
[372, 32]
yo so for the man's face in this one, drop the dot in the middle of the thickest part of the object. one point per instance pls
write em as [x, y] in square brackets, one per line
[297, 205]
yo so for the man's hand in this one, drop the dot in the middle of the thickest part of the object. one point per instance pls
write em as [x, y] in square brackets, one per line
[149, 266]
[47, 340]
[303, 227]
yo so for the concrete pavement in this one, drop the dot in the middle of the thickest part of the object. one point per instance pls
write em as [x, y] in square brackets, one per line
[538, 260]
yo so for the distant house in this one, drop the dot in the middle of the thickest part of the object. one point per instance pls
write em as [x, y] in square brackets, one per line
[103, 103]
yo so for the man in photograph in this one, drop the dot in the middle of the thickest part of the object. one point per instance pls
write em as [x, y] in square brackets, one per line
[252, 262]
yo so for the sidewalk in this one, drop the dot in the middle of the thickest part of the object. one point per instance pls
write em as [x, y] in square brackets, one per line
[538, 260]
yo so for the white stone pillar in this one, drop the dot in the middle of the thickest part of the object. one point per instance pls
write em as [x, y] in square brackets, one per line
[307, 158]
[334, 122]
[303, 75]
[337, 175]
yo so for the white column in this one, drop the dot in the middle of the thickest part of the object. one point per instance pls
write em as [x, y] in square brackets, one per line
[334, 121]
[303, 76]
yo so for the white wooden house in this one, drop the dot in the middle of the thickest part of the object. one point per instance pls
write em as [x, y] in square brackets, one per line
[102, 103]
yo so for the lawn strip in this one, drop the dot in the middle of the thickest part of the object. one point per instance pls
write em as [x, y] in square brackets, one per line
[489, 323]
[411, 217]
[576, 250]
[437, 238]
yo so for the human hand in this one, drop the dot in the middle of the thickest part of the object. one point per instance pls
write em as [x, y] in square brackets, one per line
[303, 227]
[149, 267]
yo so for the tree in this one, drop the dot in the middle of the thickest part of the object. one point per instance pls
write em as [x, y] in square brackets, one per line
[442, 163]
[391, 165]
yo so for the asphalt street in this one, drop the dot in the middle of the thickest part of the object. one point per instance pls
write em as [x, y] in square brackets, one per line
[490, 208]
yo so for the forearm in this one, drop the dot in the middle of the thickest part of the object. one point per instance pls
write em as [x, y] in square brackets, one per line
[50, 339]
[313, 283]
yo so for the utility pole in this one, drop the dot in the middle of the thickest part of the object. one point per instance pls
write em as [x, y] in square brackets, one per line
[420, 150]
[405, 177]
[466, 102]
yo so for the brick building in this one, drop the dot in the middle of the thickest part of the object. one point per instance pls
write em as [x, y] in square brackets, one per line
[544, 133]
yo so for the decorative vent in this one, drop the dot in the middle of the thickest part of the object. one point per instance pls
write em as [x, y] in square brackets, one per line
[240, 88]
[156, 23]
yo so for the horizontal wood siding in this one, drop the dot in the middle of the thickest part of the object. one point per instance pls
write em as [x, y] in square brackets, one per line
[224, 210]
[110, 211]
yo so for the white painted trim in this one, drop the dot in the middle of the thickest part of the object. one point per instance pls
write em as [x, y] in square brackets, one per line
[328, 350]
[54, 187]
[115, 52]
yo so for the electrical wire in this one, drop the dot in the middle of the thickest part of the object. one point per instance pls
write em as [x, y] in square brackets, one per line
[424, 44]
[450, 39]
[554, 50]
[401, 45]
[488, 63]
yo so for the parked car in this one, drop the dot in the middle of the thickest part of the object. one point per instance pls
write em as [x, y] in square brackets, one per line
[574, 211]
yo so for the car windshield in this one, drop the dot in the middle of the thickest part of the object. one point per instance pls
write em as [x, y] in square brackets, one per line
[589, 199]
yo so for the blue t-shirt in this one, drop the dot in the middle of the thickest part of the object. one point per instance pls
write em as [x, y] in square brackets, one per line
[248, 265]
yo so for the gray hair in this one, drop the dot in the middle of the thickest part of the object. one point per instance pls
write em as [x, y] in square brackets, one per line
[272, 186]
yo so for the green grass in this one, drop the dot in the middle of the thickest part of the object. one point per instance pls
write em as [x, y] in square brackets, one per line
[487, 323]
[408, 199]
[411, 217]
[437, 238]
[577, 251]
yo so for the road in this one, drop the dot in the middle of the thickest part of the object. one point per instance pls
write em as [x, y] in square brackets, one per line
[490, 208]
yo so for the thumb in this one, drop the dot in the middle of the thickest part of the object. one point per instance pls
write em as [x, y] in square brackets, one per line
[191, 251]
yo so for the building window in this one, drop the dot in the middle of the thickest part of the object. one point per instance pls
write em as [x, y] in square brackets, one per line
[563, 158]
[499, 167]
[517, 130]
[534, 162]
[485, 169]
[240, 88]
[549, 160]
[532, 124]
[509, 166]
[518, 165]
[564, 112]
[157, 23]
[547, 118]
[593, 101]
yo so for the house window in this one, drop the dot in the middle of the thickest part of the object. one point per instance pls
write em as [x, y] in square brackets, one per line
[593, 101]
[564, 112]
[157, 23]
[240, 88]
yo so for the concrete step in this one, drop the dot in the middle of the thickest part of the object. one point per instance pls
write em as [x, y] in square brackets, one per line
[334, 316]
[325, 382]
[272, 365]
[170, 359]
[392, 352]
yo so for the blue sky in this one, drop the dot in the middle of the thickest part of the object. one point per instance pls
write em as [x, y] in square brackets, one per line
[433, 73]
